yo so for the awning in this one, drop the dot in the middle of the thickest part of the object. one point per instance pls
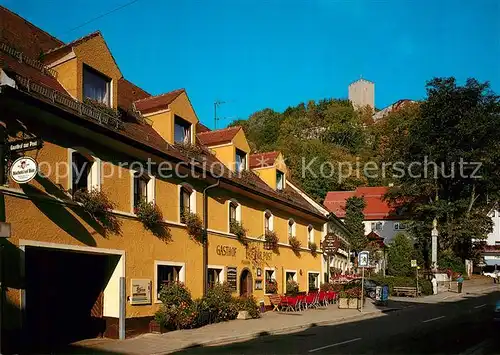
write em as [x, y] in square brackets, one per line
[492, 262]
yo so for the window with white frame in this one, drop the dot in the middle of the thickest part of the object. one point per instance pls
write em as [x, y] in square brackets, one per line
[187, 201]
[85, 171]
[291, 228]
[376, 226]
[182, 130]
[399, 226]
[215, 275]
[291, 275]
[313, 281]
[241, 160]
[310, 233]
[167, 272]
[96, 86]
[143, 187]
[280, 180]
[268, 221]
[270, 284]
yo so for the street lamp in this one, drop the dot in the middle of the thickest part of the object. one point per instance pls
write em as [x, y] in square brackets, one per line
[434, 238]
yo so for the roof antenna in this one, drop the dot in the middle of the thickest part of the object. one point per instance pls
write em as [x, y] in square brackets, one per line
[217, 103]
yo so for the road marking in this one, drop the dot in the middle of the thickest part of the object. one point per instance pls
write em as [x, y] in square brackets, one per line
[332, 345]
[433, 319]
[480, 306]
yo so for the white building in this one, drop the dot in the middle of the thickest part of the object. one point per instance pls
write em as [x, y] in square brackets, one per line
[362, 93]
[379, 216]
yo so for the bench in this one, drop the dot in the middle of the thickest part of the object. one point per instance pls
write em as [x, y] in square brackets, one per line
[405, 291]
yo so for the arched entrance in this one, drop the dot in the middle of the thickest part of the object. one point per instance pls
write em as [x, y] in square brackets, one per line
[246, 283]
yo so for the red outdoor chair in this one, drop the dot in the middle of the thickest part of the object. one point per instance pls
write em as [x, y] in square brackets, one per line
[310, 298]
[293, 304]
[323, 299]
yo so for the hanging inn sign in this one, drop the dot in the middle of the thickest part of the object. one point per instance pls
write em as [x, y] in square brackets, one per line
[331, 244]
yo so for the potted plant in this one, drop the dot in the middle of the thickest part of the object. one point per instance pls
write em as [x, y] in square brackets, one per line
[271, 241]
[295, 244]
[238, 230]
[97, 204]
[151, 217]
[271, 286]
[314, 248]
[292, 287]
[194, 226]
[350, 298]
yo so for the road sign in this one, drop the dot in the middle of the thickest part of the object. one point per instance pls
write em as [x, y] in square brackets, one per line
[364, 259]
[331, 244]
[413, 263]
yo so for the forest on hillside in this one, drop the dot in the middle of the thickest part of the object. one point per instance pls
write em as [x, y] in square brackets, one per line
[441, 154]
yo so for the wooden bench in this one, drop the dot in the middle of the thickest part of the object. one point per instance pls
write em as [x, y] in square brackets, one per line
[275, 301]
[405, 291]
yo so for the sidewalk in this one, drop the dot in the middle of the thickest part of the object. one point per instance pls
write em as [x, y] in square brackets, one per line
[270, 323]
[233, 331]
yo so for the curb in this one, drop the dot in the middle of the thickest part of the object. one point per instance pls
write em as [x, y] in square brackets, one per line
[234, 339]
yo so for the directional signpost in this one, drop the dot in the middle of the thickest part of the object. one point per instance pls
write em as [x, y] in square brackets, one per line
[330, 246]
[363, 261]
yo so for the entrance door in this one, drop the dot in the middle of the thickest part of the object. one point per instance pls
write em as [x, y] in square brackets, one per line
[246, 283]
[64, 296]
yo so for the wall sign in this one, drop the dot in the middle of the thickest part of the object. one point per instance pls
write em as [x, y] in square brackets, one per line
[331, 244]
[225, 250]
[141, 291]
[232, 277]
[23, 170]
[25, 144]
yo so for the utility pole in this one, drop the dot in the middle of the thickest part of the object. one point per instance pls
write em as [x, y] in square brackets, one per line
[217, 103]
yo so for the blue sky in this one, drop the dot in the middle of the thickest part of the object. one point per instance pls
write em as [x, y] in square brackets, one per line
[270, 53]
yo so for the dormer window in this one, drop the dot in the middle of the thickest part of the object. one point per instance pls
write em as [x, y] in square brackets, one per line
[182, 130]
[280, 180]
[96, 86]
[241, 160]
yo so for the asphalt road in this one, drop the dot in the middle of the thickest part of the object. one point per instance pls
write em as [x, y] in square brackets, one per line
[462, 327]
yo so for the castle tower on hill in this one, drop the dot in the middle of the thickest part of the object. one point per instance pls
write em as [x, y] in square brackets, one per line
[362, 93]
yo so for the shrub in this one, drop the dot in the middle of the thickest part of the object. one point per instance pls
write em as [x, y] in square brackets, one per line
[425, 286]
[174, 293]
[248, 304]
[151, 217]
[237, 229]
[295, 244]
[271, 286]
[97, 204]
[194, 226]
[314, 248]
[448, 260]
[354, 292]
[271, 240]
[328, 286]
[178, 310]
[219, 302]
[292, 287]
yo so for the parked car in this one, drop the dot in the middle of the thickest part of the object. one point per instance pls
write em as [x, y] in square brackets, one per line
[496, 313]
[491, 272]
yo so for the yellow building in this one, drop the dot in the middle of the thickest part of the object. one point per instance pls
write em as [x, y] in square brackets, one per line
[72, 274]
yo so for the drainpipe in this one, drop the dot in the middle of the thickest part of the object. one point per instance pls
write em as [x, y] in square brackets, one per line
[205, 235]
[3, 153]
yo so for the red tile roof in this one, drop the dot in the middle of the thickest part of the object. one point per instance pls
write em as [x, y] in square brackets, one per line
[156, 103]
[200, 127]
[218, 136]
[376, 208]
[26, 37]
[260, 160]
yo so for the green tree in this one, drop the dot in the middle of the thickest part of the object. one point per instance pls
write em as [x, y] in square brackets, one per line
[353, 220]
[401, 252]
[455, 130]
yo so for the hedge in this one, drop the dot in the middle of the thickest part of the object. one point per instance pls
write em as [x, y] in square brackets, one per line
[424, 285]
